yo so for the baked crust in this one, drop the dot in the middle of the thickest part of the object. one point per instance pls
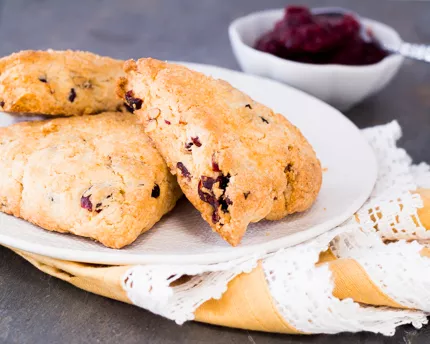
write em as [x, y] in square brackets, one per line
[59, 83]
[93, 176]
[236, 160]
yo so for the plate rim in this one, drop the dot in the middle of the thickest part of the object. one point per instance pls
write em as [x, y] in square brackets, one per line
[112, 258]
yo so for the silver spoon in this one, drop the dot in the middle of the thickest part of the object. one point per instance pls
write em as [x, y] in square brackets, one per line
[420, 52]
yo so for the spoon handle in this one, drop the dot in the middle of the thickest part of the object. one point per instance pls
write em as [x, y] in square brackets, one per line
[419, 52]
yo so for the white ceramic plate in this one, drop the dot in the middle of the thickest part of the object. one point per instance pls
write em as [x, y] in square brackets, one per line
[182, 237]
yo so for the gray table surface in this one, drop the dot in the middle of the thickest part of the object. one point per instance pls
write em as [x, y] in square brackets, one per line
[35, 308]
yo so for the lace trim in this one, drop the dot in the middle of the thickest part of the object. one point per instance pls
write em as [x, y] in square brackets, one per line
[303, 292]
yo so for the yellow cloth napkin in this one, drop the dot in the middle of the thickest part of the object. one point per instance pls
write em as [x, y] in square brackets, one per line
[247, 303]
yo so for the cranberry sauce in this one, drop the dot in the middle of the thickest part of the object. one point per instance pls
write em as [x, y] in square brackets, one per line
[320, 39]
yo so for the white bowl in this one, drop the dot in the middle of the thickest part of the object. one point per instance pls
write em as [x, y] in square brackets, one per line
[339, 85]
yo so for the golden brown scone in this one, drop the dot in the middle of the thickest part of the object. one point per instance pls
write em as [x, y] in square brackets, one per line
[236, 160]
[59, 83]
[93, 176]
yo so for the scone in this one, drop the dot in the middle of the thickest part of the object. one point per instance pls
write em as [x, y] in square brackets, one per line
[58, 83]
[236, 160]
[93, 176]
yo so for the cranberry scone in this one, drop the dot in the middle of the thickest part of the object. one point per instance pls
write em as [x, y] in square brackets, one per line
[59, 83]
[93, 176]
[235, 159]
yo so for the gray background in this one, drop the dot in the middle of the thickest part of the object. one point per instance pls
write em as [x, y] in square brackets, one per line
[35, 308]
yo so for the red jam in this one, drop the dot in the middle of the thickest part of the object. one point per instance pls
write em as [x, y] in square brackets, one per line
[320, 39]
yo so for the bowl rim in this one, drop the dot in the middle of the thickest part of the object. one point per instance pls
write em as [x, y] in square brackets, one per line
[236, 37]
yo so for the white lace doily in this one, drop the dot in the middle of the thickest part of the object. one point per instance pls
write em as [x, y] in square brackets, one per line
[303, 291]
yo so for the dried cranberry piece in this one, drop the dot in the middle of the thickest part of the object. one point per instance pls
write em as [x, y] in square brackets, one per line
[196, 141]
[184, 170]
[2, 103]
[208, 182]
[207, 197]
[134, 103]
[128, 107]
[188, 146]
[72, 95]
[225, 202]
[98, 210]
[223, 181]
[167, 122]
[215, 217]
[215, 166]
[155, 193]
[86, 203]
